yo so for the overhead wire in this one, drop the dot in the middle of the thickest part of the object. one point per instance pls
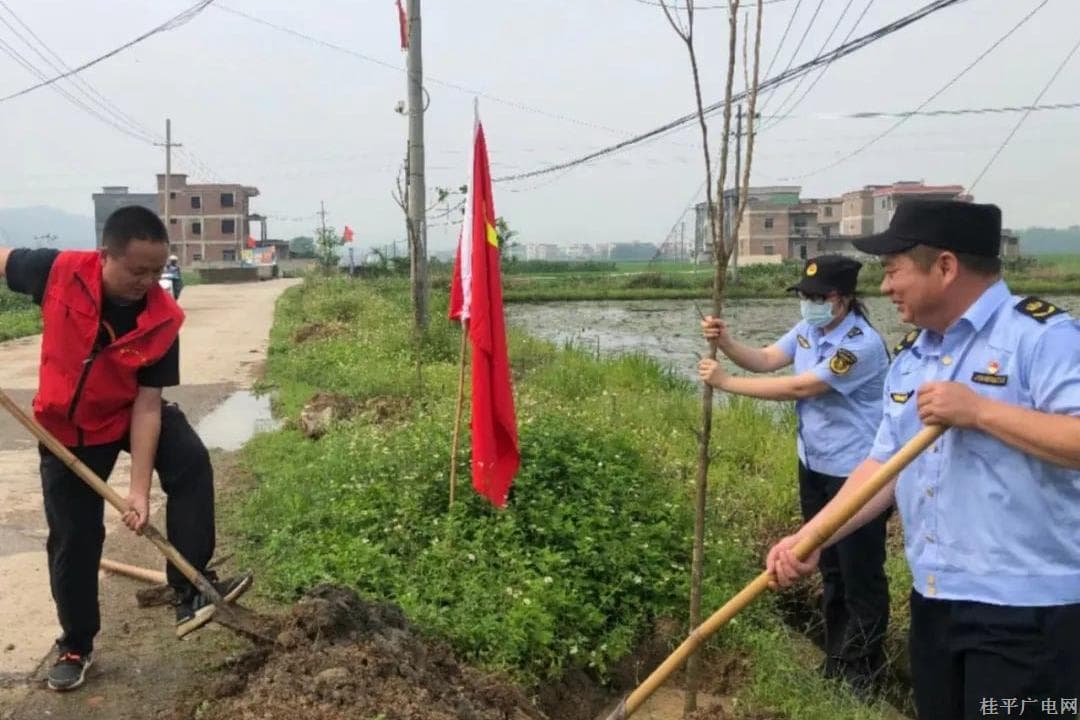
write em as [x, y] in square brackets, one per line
[795, 53]
[952, 81]
[92, 100]
[783, 116]
[679, 122]
[170, 24]
[825, 44]
[1023, 117]
[88, 91]
[15, 55]
[427, 78]
[783, 38]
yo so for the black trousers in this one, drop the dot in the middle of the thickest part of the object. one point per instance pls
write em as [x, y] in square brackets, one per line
[855, 601]
[973, 660]
[75, 515]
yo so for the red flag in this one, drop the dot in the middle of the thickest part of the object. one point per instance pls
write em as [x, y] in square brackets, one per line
[476, 296]
[250, 242]
[348, 235]
[403, 26]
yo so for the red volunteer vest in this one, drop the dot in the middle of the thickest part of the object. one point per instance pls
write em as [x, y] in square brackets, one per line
[85, 397]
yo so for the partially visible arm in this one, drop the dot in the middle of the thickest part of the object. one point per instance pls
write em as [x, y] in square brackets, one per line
[1050, 430]
[794, 387]
[759, 360]
[781, 562]
[145, 431]
[1049, 437]
[4, 253]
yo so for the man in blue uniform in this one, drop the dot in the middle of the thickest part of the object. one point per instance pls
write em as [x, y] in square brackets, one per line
[991, 511]
[840, 367]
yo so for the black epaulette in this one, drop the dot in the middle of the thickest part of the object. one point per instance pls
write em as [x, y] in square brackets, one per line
[1037, 309]
[854, 332]
[907, 342]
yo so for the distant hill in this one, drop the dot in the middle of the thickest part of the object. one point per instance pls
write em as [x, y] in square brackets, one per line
[1043, 241]
[19, 227]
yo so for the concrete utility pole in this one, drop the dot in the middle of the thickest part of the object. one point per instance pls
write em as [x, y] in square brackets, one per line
[322, 214]
[417, 202]
[169, 145]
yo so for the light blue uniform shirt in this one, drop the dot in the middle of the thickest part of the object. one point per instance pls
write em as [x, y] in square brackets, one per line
[836, 429]
[982, 520]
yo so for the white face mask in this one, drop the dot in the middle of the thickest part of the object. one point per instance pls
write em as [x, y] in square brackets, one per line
[816, 314]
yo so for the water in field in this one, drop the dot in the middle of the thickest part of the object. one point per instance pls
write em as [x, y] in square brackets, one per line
[669, 330]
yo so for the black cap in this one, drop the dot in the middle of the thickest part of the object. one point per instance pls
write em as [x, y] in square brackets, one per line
[954, 225]
[827, 273]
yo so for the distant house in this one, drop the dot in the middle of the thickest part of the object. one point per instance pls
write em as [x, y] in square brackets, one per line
[207, 222]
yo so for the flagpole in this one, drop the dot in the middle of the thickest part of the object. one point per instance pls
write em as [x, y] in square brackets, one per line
[457, 414]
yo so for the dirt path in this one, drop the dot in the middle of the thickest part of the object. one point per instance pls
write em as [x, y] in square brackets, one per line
[223, 342]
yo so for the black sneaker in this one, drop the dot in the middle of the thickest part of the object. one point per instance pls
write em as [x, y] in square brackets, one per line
[197, 609]
[69, 671]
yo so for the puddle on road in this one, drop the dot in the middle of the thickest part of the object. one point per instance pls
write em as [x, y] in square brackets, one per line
[235, 421]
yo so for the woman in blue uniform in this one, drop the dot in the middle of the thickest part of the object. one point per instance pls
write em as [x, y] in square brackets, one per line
[840, 367]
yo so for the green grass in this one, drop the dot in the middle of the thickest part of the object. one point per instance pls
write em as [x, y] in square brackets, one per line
[666, 280]
[1066, 263]
[18, 316]
[594, 546]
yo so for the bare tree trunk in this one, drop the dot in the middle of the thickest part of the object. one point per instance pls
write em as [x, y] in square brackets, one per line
[721, 252]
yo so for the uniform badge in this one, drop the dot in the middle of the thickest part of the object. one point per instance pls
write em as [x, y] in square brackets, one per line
[993, 367]
[803, 342]
[811, 270]
[898, 397]
[842, 362]
[854, 332]
[1037, 309]
[989, 378]
[907, 342]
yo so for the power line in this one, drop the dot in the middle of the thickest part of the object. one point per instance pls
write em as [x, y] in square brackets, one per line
[787, 76]
[1024, 117]
[824, 45]
[170, 24]
[795, 54]
[34, 70]
[427, 78]
[87, 90]
[697, 7]
[925, 102]
[784, 116]
[968, 111]
[100, 106]
[783, 38]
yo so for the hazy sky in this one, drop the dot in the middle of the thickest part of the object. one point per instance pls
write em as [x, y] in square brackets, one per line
[304, 122]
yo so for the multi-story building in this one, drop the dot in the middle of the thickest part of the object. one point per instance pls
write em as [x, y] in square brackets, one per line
[857, 213]
[113, 197]
[780, 224]
[543, 251]
[207, 222]
[888, 197]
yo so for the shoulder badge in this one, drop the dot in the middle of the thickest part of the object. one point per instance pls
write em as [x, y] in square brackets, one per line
[803, 342]
[907, 342]
[854, 332]
[842, 362]
[1037, 309]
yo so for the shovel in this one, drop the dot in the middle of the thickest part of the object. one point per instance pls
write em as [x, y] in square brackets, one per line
[828, 527]
[235, 617]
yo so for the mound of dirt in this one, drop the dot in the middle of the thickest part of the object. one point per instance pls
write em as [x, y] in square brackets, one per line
[340, 658]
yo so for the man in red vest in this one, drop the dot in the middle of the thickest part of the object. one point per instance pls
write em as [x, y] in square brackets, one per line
[110, 344]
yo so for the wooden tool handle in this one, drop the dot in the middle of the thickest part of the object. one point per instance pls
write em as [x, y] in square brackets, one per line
[829, 525]
[113, 498]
